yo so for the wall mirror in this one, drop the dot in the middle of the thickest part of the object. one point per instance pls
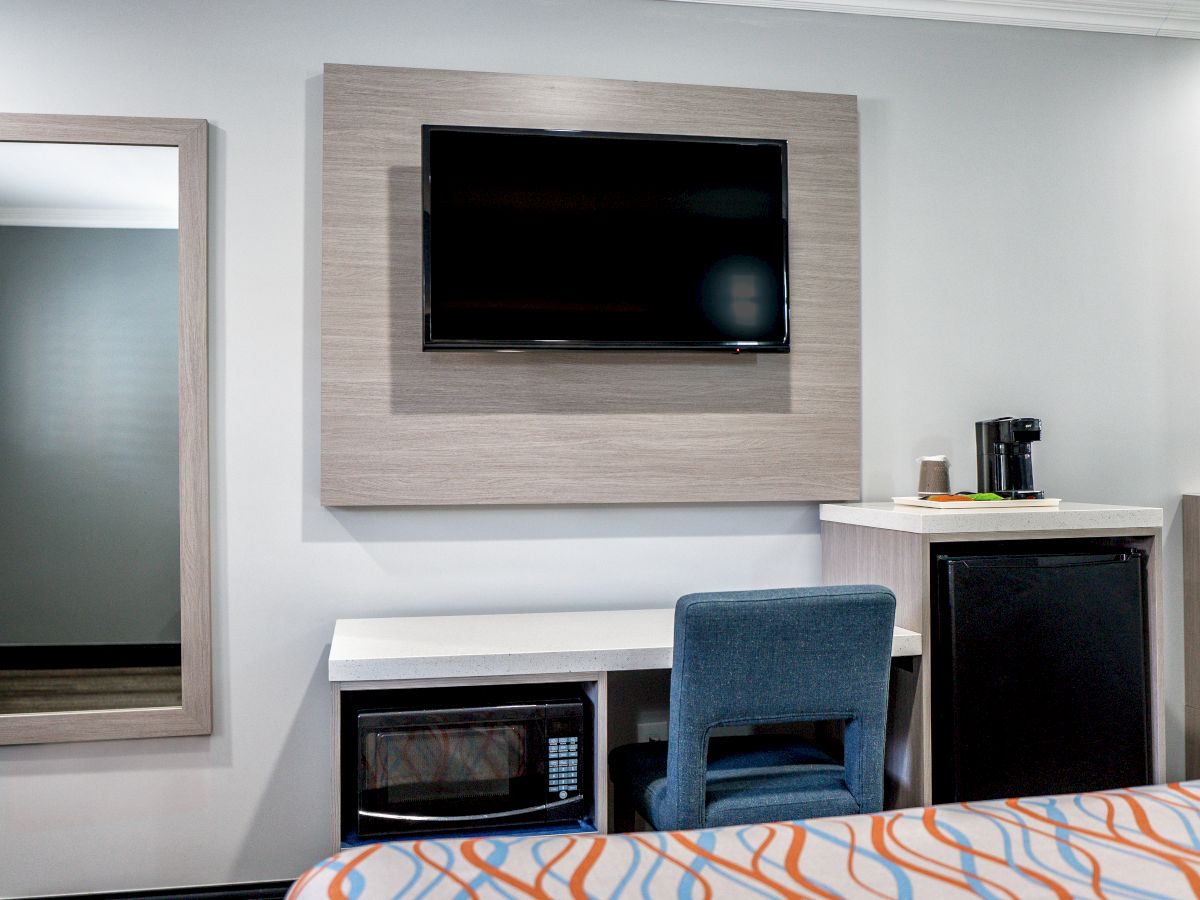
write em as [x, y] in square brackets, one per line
[104, 533]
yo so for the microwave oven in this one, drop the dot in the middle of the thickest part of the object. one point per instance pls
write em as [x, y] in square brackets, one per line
[491, 767]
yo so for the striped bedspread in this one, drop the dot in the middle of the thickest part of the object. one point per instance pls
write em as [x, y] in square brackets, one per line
[1137, 842]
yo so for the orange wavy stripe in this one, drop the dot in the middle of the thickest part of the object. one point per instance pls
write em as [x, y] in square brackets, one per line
[545, 870]
[756, 859]
[792, 861]
[1180, 789]
[937, 862]
[880, 845]
[1192, 879]
[303, 880]
[472, 856]
[462, 884]
[1096, 888]
[335, 886]
[1156, 795]
[1144, 825]
[1181, 863]
[577, 880]
[929, 820]
[850, 863]
[741, 870]
[700, 878]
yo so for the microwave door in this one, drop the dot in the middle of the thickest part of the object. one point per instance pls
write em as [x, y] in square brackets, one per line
[458, 766]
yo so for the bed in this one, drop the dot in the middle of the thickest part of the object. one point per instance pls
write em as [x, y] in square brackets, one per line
[1135, 842]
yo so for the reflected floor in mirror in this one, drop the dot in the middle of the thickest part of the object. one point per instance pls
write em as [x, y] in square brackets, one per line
[90, 677]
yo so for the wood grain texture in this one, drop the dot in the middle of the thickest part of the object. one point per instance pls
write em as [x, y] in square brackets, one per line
[194, 714]
[404, 427]
[900, 560]
[597, 692]
[1191, 737]
[1191, 632]
[851, 554]
[66, 690]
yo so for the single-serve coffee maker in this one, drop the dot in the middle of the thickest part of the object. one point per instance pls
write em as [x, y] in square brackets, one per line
[1004, 457]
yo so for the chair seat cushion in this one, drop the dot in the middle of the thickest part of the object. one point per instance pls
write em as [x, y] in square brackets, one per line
[755, 778]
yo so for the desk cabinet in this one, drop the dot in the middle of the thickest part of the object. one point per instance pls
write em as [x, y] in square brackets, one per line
[509, 649]
[898, 547]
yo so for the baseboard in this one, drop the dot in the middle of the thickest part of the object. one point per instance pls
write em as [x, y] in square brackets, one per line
[257, 890]
[89, 656]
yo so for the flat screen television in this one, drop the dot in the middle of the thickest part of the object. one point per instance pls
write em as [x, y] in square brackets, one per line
[593, 240]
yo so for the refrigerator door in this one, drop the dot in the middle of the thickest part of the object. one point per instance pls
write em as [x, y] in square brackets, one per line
[1040, 675]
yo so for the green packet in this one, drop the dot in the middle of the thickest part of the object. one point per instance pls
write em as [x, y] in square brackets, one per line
[986, 497]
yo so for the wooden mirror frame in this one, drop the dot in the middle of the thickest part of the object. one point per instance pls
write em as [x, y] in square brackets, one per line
[194, 715]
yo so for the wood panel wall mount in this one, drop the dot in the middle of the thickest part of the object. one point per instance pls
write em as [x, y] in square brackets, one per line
[400, 427]
[1191, 634]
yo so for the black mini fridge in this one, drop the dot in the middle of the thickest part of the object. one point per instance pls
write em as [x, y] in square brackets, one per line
[1040, 672]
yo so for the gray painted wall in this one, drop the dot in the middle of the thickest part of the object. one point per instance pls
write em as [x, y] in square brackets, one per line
[1033, 194]
[89, 422]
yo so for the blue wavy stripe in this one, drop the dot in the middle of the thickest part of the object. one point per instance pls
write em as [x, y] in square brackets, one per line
[688, 881]
[904, 889]
[708, 840]
[417, 867]
[636, 852]
[1049, 808]
[648, 881]
[967, 863]
[1068, 853]
[496, 858]
[751, 849]
[1173, 809]
[438, 876]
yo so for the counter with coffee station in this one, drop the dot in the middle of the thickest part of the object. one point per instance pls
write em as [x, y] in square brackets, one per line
[1041, 668]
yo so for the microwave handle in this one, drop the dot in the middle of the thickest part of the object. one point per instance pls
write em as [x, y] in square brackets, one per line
[496, 815]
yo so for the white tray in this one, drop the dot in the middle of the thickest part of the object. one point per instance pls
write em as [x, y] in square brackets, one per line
[974, 504]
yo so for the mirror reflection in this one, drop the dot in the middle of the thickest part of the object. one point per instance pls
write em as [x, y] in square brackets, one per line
[89, 425]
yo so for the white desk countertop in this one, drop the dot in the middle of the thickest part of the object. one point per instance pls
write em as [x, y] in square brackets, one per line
[514, 644]
[923, 520]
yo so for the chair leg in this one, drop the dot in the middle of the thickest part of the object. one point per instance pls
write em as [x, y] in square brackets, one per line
[623, 814]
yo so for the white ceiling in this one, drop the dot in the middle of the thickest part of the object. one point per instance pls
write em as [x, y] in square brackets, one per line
[1163, 18]
[88, 185]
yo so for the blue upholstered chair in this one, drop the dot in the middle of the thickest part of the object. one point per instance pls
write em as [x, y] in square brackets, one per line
[760, 657]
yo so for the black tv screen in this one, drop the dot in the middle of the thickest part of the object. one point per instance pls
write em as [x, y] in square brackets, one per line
[564, 240]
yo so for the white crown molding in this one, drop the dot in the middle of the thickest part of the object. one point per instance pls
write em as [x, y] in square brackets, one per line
[1151, 17]
[42, 217]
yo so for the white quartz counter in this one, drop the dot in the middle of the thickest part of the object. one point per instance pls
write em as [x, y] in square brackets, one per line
[514, 644]
[922, 520]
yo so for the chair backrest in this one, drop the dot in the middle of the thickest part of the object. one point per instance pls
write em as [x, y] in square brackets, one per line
[787, 655]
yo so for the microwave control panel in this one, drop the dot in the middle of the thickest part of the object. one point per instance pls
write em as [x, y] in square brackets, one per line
[563, 766]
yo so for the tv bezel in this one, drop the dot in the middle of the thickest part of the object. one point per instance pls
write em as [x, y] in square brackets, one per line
[430, 343]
